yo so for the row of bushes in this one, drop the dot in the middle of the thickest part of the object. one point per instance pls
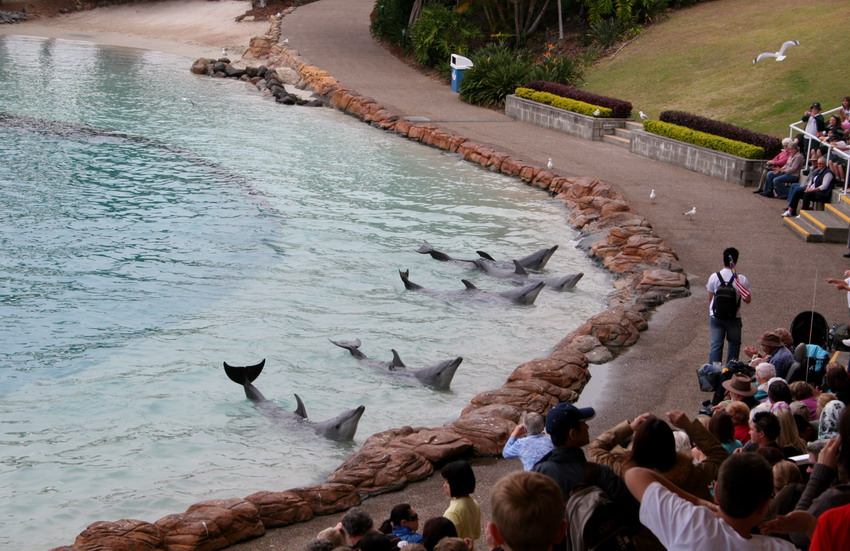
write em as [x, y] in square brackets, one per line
[619, 109]
[771, 145]
[563, 103]
[703, 139]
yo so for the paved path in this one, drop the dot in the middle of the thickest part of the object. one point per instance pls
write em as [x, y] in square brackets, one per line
[657, 374]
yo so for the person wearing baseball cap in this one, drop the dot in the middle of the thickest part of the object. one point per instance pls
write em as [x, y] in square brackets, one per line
[567, 464]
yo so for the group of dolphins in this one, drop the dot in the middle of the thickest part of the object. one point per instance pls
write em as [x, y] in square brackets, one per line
[439, 376]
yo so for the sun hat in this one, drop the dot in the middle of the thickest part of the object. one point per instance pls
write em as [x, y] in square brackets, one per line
[771, 339]
[740, 385]
[564, 417]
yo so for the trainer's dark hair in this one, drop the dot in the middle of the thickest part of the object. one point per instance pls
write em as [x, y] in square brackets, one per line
[730, 252]
[460, 477]
[435, 529]
[654, 445]
[744, 483]
[768, 424]
[357, 522]
[779, 391]
[722, 426]
[398, 513]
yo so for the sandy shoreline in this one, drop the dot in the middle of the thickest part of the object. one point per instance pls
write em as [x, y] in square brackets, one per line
[190, 28]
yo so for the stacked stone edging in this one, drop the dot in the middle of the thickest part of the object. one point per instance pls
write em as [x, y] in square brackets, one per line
[647, 273]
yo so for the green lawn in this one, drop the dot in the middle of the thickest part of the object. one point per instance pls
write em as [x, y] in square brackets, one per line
[700, 61]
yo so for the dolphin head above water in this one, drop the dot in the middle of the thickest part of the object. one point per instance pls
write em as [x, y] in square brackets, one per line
[439, 375]
[341, 427]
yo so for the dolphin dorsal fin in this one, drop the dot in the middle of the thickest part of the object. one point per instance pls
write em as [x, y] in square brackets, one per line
[396, 363]
[300, 411]
[468, 284]
[519, 269]
[484, 255]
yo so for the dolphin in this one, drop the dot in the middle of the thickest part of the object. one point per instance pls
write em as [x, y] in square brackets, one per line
[524, 295]
[519, 273]
[535, 261]
[341, 427]
[438, 376]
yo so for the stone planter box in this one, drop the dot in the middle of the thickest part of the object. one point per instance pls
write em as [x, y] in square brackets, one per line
[723, 166]
[568, 122]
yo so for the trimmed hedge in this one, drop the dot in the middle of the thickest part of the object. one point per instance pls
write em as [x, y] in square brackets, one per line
[620, 109]
[703, 139]
[563, 103]
[771, 145]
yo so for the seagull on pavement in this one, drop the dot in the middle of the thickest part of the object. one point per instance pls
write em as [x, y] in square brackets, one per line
[550, 165]
[643, 115]
[286, 41]
[224, 52]
[652, 195]
[780, 55]
[691, 213]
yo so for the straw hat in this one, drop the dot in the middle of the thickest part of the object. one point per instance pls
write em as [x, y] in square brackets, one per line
[740, 385]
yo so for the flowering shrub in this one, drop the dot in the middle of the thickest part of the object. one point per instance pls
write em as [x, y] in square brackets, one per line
[620, 109]
[563, 103]
[554, 68]
[703, 139]
[770, 144]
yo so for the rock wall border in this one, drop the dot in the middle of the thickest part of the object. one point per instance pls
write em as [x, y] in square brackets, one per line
[647, 273]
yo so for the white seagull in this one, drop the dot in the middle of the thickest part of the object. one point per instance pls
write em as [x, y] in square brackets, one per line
[643, 115]
[780, 55]
[652, 195]
[286, 41]
[691, 213]
[224, 52]
[550, 165]
[596, 112]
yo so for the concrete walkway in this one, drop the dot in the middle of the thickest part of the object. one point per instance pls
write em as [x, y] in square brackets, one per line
[655, 375]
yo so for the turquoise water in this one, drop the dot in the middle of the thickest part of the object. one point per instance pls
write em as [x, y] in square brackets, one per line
[156, 223]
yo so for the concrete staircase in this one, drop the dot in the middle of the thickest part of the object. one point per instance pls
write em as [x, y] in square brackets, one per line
[830, 225]
[621, 136]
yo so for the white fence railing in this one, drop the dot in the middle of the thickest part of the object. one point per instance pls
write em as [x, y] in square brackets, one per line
[798, 128]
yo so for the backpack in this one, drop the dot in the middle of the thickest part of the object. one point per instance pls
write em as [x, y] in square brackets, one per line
[726, 300]
[595, 522]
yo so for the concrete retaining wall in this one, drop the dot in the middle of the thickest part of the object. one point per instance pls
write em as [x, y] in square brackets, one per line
[737, 170]
[568, 122]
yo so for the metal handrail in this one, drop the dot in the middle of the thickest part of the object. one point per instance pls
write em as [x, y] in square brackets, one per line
[830, 149]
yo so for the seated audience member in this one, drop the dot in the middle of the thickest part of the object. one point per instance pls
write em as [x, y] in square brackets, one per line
[829, 532]
[654, 446]
[376, 541]
[785, 472]
[528, 442]
[435, 529]
[837, 162]
[722, 427]
[764, 373]
[452, 544]
[774, 352]
[335, 535]
[567, 426]
[804, 392]
[778, 392]
[818, 189]
[682, 521]
[403, 524]
[776, 183]
[844, 113]
[463, 510]
[357, 523]
[764, 430]
[823, 399]
[774, 164]
[839, 384]
[739, 388]
[527, 513]
[789, 437]
[832, 466]
[805, 428]
[740, 414]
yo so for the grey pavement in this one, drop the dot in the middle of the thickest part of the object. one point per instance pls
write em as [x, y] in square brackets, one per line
[657, 374]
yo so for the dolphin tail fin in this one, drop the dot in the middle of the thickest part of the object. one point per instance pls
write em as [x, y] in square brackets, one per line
[485, 256]
[396, 363]
[426, 248]
[300, 411]
[351, 346]
[409, 285]
[518, 268]
[242, 375]
[468, 284]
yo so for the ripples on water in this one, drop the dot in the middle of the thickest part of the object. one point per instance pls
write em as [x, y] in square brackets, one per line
[147, 238]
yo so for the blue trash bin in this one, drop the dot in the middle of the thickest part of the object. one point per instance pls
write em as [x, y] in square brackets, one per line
[459, 65]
